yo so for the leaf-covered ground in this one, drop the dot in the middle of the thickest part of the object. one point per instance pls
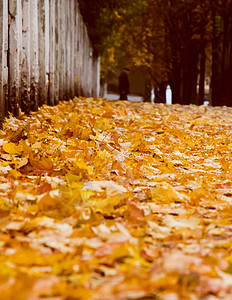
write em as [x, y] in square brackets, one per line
[116, 200]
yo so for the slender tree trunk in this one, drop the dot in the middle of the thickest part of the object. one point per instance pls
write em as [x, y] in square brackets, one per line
[190, 71]
[175, 82]
[202, 70]
[227, 59]
[216, 61]
[229, 94]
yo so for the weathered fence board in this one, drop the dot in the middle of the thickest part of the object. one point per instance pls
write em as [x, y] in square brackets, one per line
[47, 49]
[45, 55]
[61, 49]
[57, 52]
[66, 56]
[25, 68]
[76, 64]
[42, 70]
[15, 44]
[3, 58]
[52, 61]
[96, 77]
[72, 30]
[34, 55]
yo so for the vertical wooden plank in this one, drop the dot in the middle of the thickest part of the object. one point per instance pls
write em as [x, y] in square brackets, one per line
[72, 31]
[63, 44]
[66, 49]
[57, 51]
[83, 59]
[47, 50]
[86, 67]
[61, 49]
[79, 53]
[86, 60]
[76, 49]
[34, 54]
[2, 16]
[15, 33]
[41, 42]
[52, 51]
[5, 69]
[25, 68]
[43, 17]
[96, 77]
[90, 67]
[3, 59]
[19, 25]
[89, 63]
[82, 83]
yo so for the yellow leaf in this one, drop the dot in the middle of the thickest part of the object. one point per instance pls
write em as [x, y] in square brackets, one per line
[15, 174]
[81, 168]
[22, 162]
[41, 163]
[103, 154]
[108, 204]
[72, 178]
[4, 205]
[165, 193]
[191, 222]
[50, 201]
[86, 195]
[12, 148]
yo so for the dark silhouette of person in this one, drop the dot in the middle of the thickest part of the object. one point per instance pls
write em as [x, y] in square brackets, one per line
[124, 84]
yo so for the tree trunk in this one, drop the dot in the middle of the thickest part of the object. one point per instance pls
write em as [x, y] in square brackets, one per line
[216, 60]
[202, 71]
[175, 83]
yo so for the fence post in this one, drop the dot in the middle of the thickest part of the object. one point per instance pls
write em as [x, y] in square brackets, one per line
[88, 63]
[52, 51]
[61, 49]
[25, 74]
[81, 50]
[57, 52]
[43, 51]
[96, 76]
[72, 32]
[34, 54]
[3, 58]
[15, 49]
[76, 49]
[47, 50]
[67, 49]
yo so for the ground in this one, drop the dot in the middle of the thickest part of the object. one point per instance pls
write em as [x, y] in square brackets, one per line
[116, 200]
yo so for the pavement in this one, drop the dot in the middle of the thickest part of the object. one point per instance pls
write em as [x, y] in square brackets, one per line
[114, 96]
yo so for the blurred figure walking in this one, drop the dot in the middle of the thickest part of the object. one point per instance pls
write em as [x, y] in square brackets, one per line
[124, 84]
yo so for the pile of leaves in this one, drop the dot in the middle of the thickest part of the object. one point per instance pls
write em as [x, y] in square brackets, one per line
[116, 200]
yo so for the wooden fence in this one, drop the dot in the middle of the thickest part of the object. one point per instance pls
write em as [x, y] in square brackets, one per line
[45, 55]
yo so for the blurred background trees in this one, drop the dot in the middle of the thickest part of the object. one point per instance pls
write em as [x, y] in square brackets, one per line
[183, 43]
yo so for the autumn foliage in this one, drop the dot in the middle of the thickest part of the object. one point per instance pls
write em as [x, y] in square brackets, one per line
[116, 200]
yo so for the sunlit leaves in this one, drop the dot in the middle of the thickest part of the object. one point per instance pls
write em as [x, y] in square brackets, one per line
[127, 200]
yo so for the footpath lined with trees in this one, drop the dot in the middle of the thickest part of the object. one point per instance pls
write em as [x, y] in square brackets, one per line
[175, 42]
[46, 54]
[115, 200]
